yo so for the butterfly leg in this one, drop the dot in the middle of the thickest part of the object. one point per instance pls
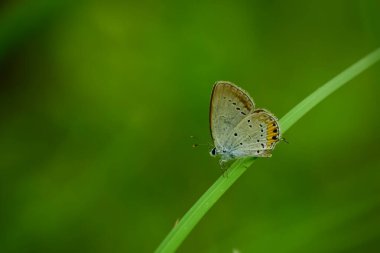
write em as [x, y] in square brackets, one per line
[224, 167]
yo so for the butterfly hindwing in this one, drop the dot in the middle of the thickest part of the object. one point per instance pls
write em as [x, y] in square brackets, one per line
[255, 135]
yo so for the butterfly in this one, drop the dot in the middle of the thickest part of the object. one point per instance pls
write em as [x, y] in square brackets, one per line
[238, 129]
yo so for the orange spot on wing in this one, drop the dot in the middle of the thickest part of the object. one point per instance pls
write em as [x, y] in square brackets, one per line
[273, 133]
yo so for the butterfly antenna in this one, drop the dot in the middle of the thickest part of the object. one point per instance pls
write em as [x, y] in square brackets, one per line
[195, 145]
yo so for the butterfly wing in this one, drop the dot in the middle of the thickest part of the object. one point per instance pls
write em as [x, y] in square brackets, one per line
[229, 105]
[256, 135]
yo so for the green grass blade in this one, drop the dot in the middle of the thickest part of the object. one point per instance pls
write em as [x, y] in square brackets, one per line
[199, 209]
[325, 90]
[222, 184]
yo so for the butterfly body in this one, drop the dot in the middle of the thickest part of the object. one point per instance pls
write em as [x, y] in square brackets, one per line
[238, 128]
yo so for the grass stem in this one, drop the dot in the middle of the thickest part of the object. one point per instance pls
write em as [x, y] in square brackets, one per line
[178, 234]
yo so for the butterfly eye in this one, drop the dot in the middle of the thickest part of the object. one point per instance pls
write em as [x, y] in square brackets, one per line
[213, 152]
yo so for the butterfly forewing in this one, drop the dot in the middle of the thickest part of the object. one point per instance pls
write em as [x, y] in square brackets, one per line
[229, 106]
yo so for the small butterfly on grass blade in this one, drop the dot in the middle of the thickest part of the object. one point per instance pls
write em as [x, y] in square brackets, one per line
[238, 128]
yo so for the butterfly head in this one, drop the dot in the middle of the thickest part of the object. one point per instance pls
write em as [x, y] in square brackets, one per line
[223, 153]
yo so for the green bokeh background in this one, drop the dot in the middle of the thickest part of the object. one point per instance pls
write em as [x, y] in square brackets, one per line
[98, 100]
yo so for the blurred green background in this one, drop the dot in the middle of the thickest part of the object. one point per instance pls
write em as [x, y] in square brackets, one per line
[98, 100]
